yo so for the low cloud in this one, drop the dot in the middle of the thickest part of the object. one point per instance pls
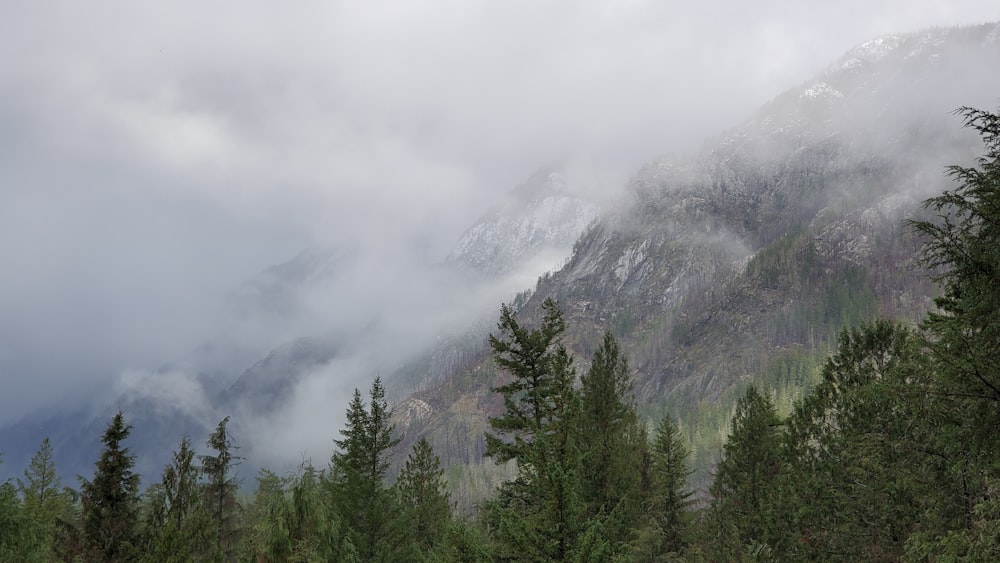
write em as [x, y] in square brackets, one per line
[153, 157]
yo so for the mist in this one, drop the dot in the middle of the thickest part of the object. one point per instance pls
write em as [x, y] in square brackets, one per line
[156, 158]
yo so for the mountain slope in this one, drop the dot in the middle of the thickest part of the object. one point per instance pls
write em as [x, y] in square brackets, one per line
[740, 261]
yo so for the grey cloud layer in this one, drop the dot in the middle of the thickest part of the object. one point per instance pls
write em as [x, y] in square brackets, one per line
[154, 155]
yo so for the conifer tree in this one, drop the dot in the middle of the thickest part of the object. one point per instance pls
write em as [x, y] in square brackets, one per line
[43, 496]
[219, 493]
[110, 501]
[358, 471]
[21, 537]
[962, 251]
[853, 450]
[612, 441]
[743, 491]
[291, 520]
[541, 513]
[177, 521]
[527, 355]
[423, 497]
[670, 498]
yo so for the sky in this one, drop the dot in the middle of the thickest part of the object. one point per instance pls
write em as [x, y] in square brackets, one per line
[155, 156]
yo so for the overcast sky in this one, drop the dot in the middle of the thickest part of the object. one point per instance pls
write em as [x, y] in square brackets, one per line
[153, 155]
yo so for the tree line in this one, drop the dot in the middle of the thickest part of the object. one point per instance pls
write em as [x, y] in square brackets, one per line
[894, 455]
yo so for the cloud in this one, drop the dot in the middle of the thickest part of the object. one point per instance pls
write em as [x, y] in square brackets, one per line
[153, 156]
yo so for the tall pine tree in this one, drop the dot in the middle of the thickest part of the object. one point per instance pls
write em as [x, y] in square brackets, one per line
[743, 498]
[358, 471]
[540, 514]
[425, 506]
[44, 499]
[613, 443]
[110, 501]
[219, 493]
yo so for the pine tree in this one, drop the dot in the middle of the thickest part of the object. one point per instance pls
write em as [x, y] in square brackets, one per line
[110, 501]
[613, 443]
[423, 497]
[22, 538]
[670, 497]
[962, 250]
[855, 468]
[177, 521]
[43, 496]
[219, 493]
[540, 514]
[743, 491]
[358, 470]
[528, 356]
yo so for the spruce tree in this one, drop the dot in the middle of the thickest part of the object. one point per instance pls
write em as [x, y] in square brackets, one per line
[43, 496]
[177, 521]
[219, 493]
[670, 497]
[962, 251]
[527, 355]
[540, 514]
[110, 501]
[425, 506]
[358, 470]
[743, 490]
[612, 441]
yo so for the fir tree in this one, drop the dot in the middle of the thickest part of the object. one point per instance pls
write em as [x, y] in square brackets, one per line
[962, 251]
[670, 498]
[177, 521]
[358, 470]
[612, 441]
[110, 501]
[219, 493]
[527, 355]
[742, 491]
[425, 507]
[540, 514]
[44, 499]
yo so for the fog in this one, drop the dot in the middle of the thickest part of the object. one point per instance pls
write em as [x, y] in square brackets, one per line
[156, 157]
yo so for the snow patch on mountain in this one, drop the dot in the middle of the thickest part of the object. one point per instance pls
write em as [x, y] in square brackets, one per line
[539, 216]
[821, 90]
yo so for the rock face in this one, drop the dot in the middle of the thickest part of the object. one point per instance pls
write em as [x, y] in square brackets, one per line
[540, 217]
[733, 262]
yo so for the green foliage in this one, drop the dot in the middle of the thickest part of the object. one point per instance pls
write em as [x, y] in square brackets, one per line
[110, 501]
[292, 520]
[670, 498]
[539, 514]
[743, 492]
[528, 356]
[358, 470]
[853, 485]
[963, 252]
[22, 537]
[611, 439]
[425, 509]
[43, 497]
[220, 491]
[178, 524]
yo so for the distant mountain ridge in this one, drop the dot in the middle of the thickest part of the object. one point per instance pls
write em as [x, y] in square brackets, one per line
[531, 233]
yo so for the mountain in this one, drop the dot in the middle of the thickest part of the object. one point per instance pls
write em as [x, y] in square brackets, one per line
[540, 219]
[294, 319]
[740, 261]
